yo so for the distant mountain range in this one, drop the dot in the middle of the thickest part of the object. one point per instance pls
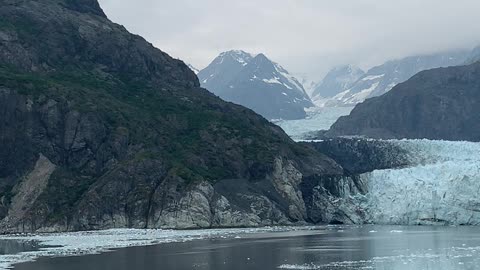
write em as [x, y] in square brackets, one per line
[256, 82]
[439, 104]
[347, 86]
[337, 81]
[262, 85]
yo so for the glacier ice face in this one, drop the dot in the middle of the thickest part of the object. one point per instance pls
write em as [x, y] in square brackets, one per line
[442, 188]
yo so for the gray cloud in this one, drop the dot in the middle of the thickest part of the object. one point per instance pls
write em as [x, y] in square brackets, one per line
[306, 36]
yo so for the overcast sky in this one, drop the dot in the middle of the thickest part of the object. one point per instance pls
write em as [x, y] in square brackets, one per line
[305, 36]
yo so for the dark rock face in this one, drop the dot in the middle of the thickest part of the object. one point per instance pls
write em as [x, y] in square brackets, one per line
[99, 130]
[359, 156]
[436, 104]
[330, 198]
[85, 6]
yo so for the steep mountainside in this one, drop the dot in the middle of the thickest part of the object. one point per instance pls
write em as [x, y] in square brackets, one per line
[99, 129]
[440, 104]
[337, 81]
[257, 83]
[381, 79]
[194, 69]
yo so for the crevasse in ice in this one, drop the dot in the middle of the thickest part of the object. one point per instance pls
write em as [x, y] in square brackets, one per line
[443, 187]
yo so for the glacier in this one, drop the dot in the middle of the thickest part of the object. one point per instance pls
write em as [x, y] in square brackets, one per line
[441, 186]
[318, 118]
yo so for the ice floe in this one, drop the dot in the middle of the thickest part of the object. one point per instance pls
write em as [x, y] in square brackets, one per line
[94, 242]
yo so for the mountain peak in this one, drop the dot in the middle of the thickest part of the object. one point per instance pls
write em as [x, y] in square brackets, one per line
[262, 61]
[82, 6]
[238, 55]
[262, 56]
[237, 52]
[257, 83]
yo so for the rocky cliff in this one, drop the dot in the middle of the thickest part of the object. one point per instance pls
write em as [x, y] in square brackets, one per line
[440, 104]
[99, 129]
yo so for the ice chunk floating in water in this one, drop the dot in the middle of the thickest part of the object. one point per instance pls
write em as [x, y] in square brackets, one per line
[442, 188]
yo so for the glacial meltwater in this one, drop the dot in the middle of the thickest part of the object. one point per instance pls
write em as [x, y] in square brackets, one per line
[329, 247]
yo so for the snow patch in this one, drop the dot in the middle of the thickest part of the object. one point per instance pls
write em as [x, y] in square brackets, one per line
[373, 77]
[276, 80]
[362, 95]
[292, 80]
[390, 87]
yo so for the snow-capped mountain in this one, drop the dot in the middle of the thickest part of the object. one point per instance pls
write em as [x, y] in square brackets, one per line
[381, 79]
[223, 69]
[308, 84]
[194, 69]
[257, 83]
[337, 81]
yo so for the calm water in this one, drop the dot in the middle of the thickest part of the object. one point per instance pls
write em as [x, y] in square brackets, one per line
[371, 247]
[15, 247]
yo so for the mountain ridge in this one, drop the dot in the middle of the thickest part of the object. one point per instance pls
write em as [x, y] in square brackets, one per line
[437, 104]
[256, 82]
[381, 79]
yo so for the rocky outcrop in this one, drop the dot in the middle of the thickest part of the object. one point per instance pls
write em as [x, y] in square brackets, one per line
[332, 201]
[436, 104]
[342, 199]
[85, 6]
[29, 189]
[358, 156]
[286, 180]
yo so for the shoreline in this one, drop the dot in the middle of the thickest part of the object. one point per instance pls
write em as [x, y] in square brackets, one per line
[71, 244]
[110, 247]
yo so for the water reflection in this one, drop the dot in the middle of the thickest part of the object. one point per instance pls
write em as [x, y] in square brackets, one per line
[14, 247]
[370, 247]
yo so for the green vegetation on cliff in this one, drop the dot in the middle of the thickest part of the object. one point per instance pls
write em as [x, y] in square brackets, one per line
[127, 126]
